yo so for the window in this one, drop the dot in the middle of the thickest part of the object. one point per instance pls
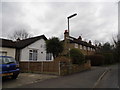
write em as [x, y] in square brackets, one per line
[3, 53]
[84, 47]
[76, 45]
[80, 46]
[88, 48]
[49, 56]
[33, 55]
[94, 50]
[41, 46]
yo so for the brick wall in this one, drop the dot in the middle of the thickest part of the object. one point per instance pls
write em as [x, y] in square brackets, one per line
[60, 66]
[65, 69]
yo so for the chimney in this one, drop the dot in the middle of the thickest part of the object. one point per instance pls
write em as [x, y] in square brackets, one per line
[96, 45]
[90, 42]
[18, 39]
[80, 38]
[66, 34]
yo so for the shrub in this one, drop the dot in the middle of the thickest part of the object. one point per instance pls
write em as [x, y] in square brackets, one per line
[96, 60]
[109, 59]
[77, 56]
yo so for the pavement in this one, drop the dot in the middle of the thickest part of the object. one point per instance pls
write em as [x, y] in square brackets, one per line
[26, 78]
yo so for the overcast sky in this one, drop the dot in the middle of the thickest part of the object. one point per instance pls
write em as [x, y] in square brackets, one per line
[94, 20]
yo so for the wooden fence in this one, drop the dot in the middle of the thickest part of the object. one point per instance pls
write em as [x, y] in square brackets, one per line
[40, 67]
[58, 67]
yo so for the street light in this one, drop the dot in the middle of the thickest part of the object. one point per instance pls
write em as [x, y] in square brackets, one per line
[69, 40]
[68, 20]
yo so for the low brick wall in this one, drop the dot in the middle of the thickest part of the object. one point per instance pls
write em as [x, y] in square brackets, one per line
[69, 69]
[60, 66]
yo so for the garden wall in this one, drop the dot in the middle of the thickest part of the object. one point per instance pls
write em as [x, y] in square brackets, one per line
[60, 66]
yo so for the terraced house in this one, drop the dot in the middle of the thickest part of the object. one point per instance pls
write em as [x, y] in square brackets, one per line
[70, 42]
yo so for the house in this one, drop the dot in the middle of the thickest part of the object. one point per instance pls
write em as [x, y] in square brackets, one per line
[7, 47]
[30, 49]
[70, 42]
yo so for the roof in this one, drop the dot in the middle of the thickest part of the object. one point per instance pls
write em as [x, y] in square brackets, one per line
[80, 42]
[21, 43]
[7, 43]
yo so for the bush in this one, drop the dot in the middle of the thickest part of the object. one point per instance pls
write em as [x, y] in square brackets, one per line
[109, 59]
[77, 56]
[96, 60]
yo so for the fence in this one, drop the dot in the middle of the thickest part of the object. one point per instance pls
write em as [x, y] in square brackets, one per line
[40, 67]
[58, 67]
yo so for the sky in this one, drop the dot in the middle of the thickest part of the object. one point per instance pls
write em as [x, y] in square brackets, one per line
[95, 20]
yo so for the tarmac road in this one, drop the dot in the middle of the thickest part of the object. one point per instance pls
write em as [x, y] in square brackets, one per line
[85, 79]
[110, 80]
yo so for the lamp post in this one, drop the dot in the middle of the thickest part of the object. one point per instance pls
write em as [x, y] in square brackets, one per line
[68, 21]
[69, 40]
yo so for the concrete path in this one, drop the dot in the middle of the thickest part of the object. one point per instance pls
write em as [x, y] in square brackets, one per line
[26, 78]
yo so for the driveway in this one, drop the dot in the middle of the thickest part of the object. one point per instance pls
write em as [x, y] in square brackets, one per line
[26, 78]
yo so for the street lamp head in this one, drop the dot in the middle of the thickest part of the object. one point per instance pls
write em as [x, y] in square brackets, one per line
[72, 15]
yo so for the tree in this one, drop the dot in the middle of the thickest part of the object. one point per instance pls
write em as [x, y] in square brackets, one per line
[117, 50]
[20, 34]
[54, 46]
[106, 47]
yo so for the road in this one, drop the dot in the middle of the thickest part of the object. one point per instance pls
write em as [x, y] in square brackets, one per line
[110, 79]
[84, 79]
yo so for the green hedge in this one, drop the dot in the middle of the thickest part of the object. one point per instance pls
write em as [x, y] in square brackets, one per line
[96, 60]
[77, 56]
[109, 58]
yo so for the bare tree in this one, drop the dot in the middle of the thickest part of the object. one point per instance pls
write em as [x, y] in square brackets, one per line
[20, 34]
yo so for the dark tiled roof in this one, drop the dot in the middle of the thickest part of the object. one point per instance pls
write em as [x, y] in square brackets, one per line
[23, 43]
[82, 43]
[7, 43]
[20, 44]
[74, 40]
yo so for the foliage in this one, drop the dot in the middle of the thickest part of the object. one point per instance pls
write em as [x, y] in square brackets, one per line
[109, 59]
[106, 47]
[20, 34]
[77, 56]
[109, 52]
[116, 51]
[96, 60]
[54, 46]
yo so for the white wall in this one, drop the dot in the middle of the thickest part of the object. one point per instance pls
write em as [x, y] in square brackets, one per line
[36, 45]
[10, 51]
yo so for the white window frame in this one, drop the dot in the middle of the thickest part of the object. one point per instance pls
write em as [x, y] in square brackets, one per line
[34, 54]
[84, 47]
[76, 45]
[88, 48]
[49, 56]
[3, 53]
[80, 46]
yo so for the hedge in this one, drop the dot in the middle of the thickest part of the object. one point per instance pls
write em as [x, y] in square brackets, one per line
[77, 56]
[96, 60]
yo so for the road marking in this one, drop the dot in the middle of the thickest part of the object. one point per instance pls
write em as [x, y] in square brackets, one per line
[100, 78]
